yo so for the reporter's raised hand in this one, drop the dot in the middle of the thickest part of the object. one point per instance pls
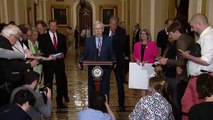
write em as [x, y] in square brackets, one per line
[158, 69]
[80, 66]
[60, 56]
[34, 63]
[49, 93]
[185, 54]
[138, 61]
[50, 57]
[163, 61]
[106, 102]
[143, 63]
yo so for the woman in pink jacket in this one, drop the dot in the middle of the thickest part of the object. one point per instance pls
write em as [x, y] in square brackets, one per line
[145, 51]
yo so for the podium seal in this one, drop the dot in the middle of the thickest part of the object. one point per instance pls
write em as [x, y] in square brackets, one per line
[97, 72]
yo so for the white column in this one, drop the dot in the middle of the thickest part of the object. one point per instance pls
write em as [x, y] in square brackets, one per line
[208, 11]
[74, 14]
[199, 6]
[127, 15]
[16, 11]
[44, 10]
[122, 10]
[5, 12]
[25, 11]
[137, 11]
[39, 12]
[152, 18]
[195, 6]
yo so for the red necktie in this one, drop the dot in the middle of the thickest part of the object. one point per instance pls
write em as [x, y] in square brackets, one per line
[54, 41]
[99, 47]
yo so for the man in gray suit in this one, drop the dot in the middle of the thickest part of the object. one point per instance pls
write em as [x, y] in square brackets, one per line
[43, 104]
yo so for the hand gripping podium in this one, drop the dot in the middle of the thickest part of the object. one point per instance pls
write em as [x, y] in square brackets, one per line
[97, 71]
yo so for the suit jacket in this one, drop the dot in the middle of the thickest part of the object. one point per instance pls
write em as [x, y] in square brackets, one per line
[136, 37]
[47, 48]
[76, 33]
[162, 40]
[118, 41]
[184, 43]
[90, 50]
[46, 45]
[150, 53]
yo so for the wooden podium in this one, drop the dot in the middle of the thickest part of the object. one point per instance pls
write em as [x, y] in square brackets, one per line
[97, 71]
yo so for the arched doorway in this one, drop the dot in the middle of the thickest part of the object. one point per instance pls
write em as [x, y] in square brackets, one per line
[85, 18]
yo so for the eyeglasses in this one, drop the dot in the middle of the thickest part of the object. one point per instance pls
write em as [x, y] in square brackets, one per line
[16, 37]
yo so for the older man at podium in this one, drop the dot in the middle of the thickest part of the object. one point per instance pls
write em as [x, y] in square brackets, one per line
[98, 48]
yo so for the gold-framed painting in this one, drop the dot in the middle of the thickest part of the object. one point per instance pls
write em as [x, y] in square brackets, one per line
[60, 13]
[106, 13]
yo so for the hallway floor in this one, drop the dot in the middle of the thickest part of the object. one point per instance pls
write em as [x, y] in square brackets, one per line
[77, 88]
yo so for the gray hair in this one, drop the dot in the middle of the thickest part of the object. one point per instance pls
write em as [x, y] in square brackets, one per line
[114, 18]
[98, 23]
[11, 30]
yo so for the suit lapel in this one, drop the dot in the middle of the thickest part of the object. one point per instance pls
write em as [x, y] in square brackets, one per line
[50, 41]
[94, 43]
[103, 44]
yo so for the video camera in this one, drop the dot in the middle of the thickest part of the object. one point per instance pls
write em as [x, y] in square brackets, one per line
[43, 91]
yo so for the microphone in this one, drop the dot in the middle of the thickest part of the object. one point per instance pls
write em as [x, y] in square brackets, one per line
[97, 52]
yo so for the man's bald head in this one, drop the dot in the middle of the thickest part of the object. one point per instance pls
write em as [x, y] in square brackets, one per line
[199, 18]
[198, 23]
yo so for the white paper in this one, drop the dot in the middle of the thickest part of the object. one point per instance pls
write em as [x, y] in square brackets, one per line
[139, 75]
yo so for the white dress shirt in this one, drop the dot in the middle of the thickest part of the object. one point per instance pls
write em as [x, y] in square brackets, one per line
[51, 36]
[206, 44]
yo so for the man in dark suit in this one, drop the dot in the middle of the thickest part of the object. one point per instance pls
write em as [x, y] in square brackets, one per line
[136, 33]
[50, 43]
[98, 48]
[118, 36]
[76, 34]
[162, 37]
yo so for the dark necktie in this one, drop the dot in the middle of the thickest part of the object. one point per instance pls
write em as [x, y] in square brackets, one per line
[54, 41]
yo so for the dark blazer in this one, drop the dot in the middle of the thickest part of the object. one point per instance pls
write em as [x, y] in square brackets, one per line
[136, 37]
[162, 40]
[90, 50]
[118, 41]
[57, 66]
[46, 45]
[184, 43]
[76, 33]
